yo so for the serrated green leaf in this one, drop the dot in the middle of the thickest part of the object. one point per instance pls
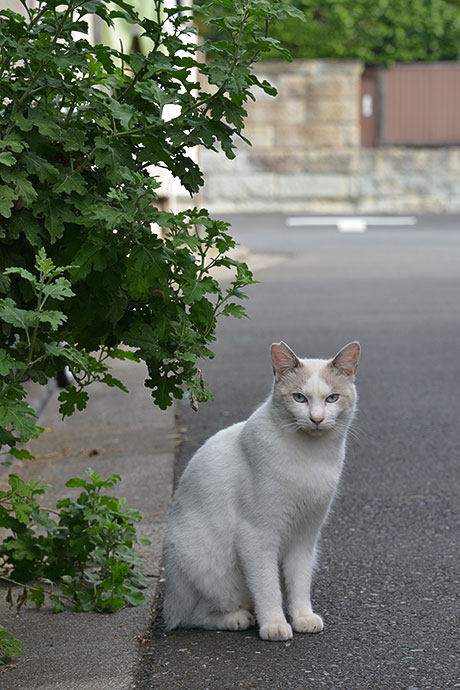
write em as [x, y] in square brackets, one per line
[6, 363]
[236, 310]
[73, 356]
[89, 257]
[25, 190]
[135, 597]
[145, 270]
[37, 165]
[94, 476]
[72, 400]
[195, 291]
[6, 438]
[71, 183]
[75, 140]
[76, 482]
[45, 123]
[189, 357]
[59, 289]
[54, 213]
[8, 197]
[21, 122]
[24, 273]
[58, 605]
[118, 353]
[53, 318]
[122, 112]
[37, 596]
[18, 415]
[7, 158]
[24, 222]
[43, 263]
[13, 142]
[153, 92]
[22, 511]
[109, 380]
[21, 318]
[19, 486]
[21, 454]
[10, 647]
[163, 391]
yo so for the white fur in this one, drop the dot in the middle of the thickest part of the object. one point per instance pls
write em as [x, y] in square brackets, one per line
[250, 505]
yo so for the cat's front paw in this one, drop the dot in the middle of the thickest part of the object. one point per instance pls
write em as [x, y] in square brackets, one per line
[276, 632]
[310, 623]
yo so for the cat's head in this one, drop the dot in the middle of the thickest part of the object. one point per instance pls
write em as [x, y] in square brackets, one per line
[315, 395]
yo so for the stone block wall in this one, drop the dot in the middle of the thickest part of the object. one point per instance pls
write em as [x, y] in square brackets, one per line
[306, 154]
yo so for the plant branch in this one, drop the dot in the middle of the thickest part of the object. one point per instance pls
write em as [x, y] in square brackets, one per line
[28, 91]
[33, 588]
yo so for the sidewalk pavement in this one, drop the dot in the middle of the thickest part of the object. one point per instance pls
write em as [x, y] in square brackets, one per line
[117, 433]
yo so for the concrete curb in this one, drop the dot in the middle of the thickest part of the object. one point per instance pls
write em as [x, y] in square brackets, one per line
[117, 433]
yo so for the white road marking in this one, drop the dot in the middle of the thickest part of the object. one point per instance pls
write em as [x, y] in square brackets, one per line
[350, 223]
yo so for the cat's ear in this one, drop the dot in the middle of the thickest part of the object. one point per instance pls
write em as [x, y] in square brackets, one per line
[346, 361]
[283, 359]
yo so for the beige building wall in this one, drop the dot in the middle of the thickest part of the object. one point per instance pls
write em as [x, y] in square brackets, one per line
[306, 154]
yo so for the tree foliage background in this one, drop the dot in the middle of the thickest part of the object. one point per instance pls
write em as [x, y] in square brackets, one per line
[377, 31]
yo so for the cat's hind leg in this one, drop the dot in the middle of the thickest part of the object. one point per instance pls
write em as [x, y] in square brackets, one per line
[206, 602]
[185, 607]
[241, 619]
[180, 601]
[224, 604]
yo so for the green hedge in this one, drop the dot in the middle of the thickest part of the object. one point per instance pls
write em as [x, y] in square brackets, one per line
[375, 31]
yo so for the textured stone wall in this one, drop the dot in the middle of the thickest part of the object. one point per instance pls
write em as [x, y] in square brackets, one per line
[306, 154]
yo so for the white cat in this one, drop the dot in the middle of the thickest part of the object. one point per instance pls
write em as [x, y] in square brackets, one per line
[250, 505]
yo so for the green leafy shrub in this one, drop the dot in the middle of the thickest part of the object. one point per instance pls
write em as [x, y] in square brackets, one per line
[80, 128]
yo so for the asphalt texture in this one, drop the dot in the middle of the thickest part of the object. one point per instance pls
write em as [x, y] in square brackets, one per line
[387, 582]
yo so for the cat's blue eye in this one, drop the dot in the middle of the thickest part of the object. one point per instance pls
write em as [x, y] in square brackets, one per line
[332, 398]
[298, 397]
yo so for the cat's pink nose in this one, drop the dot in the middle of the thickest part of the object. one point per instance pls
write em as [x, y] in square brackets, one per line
[316, 420]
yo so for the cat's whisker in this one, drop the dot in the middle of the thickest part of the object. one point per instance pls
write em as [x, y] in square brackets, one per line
[356, 433]
[292, 425]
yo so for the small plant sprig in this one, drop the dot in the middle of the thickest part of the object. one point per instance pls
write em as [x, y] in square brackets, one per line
[10, 646]
[89, 551]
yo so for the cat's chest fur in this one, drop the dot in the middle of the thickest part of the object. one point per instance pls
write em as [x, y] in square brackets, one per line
[291, 477]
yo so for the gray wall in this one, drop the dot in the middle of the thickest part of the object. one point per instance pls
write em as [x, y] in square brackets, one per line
[307, 155]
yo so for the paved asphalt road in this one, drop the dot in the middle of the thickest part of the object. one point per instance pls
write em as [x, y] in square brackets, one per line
[387, 583]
